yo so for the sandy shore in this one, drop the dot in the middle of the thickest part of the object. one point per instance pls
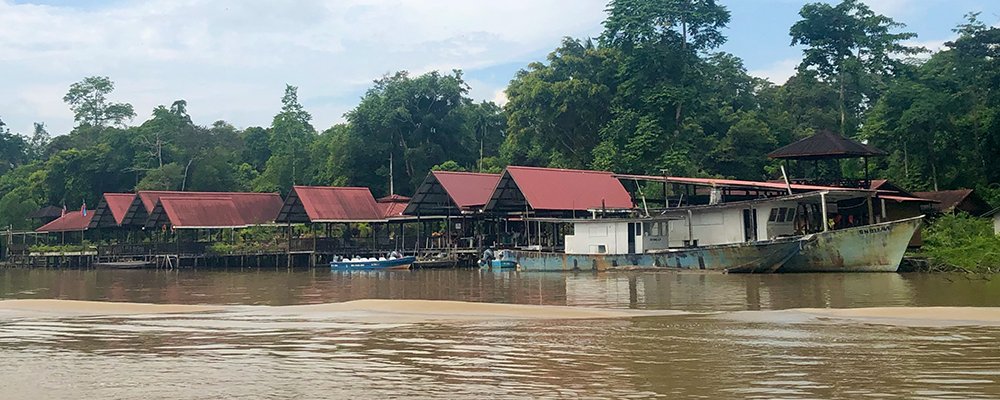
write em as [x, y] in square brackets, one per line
[77, 307]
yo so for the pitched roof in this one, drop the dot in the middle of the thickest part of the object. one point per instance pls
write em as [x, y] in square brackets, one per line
[196, 212]
[111, 210]
[825, 144]
[957, 200]
[444, 192]
[392, 206]
[72, 221]
[46, 212]
[552, 189]
[267, 204]
[329, 204]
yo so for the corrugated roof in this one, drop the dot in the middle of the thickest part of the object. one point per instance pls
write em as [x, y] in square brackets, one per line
[233, 211]
[329, 204]
[957, 200]
[258, 207]
[395, 198]
[552, 189]
[392, 206]
[467, 189]
[825, 144]
[111, 210]
[72, 221]
[449, 192]
[196, 212]
[733, 183]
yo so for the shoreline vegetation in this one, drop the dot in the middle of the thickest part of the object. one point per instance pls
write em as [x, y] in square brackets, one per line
[961, 243]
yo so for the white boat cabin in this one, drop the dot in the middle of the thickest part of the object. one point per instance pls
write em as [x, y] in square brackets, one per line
[763, 219]
[617, 236]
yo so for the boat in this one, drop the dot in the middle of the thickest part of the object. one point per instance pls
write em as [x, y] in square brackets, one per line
[738, 257]
[830, 241]
[870, 248]
[373, 263]
[642, 243]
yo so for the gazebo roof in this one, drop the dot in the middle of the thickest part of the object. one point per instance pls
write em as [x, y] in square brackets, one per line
[825, 144]
[46, 212]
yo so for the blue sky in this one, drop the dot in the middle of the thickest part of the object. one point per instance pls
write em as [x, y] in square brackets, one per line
[230, 59]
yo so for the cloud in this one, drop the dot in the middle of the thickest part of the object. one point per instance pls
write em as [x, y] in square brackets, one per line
[231, 58]
[893, 8]
[778, 72]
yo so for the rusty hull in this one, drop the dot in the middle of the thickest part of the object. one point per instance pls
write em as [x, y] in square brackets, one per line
[871, 248]
[740, 257]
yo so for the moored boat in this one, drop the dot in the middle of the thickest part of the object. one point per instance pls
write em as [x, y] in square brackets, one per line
[738, 257]
[373, 263]
[870, 248]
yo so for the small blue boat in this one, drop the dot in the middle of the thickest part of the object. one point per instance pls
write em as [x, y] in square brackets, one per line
[373, 263]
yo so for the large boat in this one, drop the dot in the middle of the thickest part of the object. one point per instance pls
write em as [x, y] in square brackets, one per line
[608, 244]
[373, 263]
[869, 248]
[841, 241]
[820, 231]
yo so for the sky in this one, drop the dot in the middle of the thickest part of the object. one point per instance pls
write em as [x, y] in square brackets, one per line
[230, 59]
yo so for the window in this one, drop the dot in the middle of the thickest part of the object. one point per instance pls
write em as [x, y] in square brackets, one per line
[791, 215]
[774, 215]
[781, 214]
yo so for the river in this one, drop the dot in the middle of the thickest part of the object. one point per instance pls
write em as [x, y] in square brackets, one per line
[288, 334]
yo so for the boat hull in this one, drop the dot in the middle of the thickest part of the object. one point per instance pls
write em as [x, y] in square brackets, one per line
[741, 257]
[396, 263]
[871, 248]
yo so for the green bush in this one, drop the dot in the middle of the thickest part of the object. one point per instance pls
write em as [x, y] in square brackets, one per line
[964, 243]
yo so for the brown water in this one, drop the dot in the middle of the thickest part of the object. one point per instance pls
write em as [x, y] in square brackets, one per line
[587, 335]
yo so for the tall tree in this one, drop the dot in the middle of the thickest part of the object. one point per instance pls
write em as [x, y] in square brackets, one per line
[89, 101]
[853, 48]
[651, 29]
[291, 134]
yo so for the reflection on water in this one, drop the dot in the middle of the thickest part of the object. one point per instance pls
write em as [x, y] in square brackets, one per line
[682, 291]
[257, 352]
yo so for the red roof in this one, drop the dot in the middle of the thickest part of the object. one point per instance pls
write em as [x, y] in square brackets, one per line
[330, 204]
[72, 221]
[734, 183]
[201, 212]
[957, 200]
[447, 192]
[394, 198]
[563, 189]
[256, 208]
[391, 209]
[467, 189]
[118, 204]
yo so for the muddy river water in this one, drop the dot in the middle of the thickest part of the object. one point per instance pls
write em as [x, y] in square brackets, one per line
[280, 334]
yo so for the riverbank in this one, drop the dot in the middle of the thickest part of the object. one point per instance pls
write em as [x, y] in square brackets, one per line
[961, 243]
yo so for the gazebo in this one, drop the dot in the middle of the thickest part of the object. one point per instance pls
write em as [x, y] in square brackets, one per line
[828, 145]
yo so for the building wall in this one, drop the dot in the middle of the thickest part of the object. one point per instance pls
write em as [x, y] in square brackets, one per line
[712, 226]
[588, 236]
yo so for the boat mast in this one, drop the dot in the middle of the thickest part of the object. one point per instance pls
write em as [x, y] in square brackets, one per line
[392, 190]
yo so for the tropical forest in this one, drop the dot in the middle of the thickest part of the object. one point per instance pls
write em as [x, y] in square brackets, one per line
[650, 95]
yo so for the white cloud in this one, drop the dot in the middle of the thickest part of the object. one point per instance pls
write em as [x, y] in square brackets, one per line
[893, 8]
[500, 97]
[231, 58]
[778, 72]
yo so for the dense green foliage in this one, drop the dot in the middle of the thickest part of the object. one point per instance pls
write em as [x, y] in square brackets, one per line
[962, 242]
[650, 94]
